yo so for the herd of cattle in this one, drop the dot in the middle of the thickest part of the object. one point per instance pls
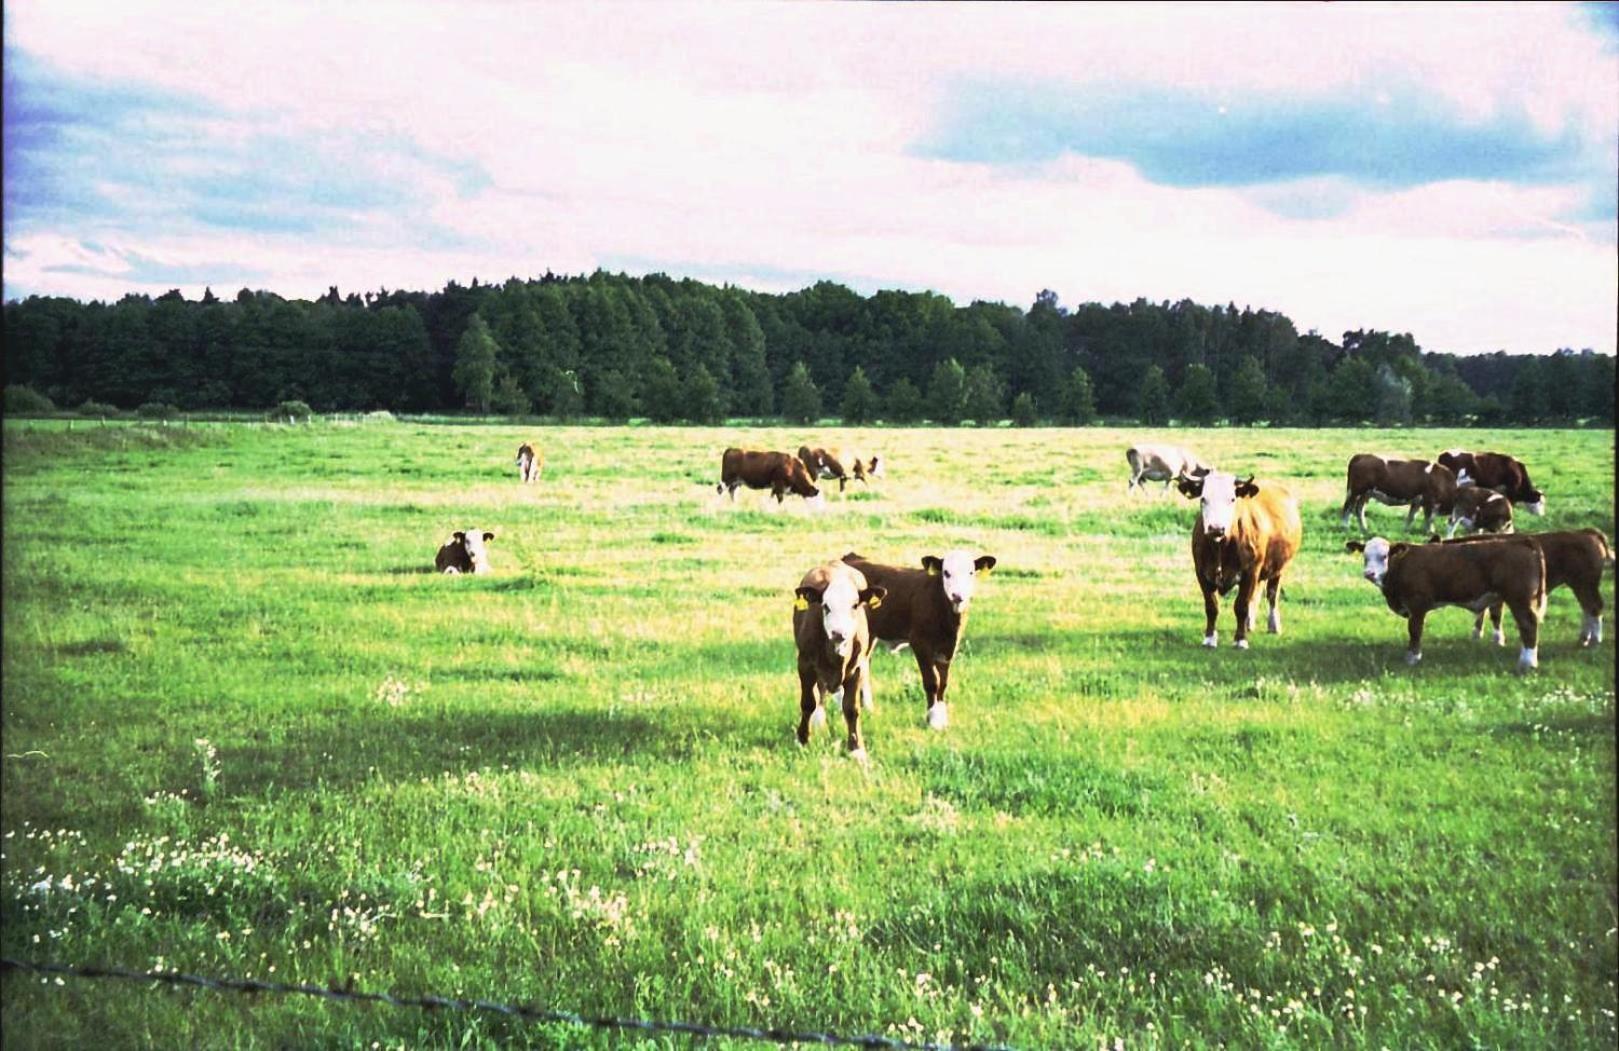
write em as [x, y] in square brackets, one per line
[1246, 534]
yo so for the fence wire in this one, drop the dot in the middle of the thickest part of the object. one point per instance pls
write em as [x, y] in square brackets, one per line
[347, 994]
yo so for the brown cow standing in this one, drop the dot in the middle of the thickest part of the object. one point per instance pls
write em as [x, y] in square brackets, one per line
[1574, 557]
[840, 464]
[778, 472]
[1418, 483]
[834, 642]
[1245, 535]
[926, 609]
[1497, 471]
[529, 463]
[1416, 579]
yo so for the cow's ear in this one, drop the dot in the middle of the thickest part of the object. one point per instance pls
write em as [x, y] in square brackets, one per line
[1396, 549]
[1201, 471]
[804, 596]
[1354, 545]
[1190, 489]
[933, 564]
[984, 563]
[1434, 538]
[488, 537]
[1246, 487]
[873, 596]
[459, 537]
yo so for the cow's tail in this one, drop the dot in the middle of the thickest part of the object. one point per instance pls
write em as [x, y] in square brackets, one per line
[1607, 549]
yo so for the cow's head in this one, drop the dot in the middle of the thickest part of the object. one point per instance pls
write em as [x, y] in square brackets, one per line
[1377, 555]
[874, 469]
[958, 575]
[841, 606]
[799, 480]
[1218, 494]
[1536, 504]
[1458, 460]
[472, 542]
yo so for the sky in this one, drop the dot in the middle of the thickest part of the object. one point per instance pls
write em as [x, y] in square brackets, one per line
[1444, 170]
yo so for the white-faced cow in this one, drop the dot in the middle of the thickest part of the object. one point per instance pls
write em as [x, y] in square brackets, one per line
[1574, 558]
[1416, 579]
[1497, 471]
[1245, 535]
[1397, 483]
[776, 471]
[834, 647]
[841, 464]
[926, 609]
[464, 552]
[1161, 463]
[1481, 510]
[529, 463]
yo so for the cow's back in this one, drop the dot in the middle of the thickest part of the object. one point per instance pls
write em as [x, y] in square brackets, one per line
[1270, 520]
[905, 603]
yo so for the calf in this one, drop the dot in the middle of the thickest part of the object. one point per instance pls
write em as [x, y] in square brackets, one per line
[529, 463]
[1417, 483]
[1574, 557]
[1245, 535]
[1160, 463]
[926, 609]
[778, 472]
[1418, 578]
[464, 553]
[840, 464]
[1497, 471]
[834, 647]
[1477, 509]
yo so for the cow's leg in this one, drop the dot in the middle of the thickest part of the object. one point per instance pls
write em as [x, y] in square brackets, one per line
[1360, 512]
[1494, 613]
[1211, 613]
[1590, 599]
[938, 714]
[865, 690]
[842, 481]
[807, 706]
[1245, 608]
[1413, 652]
[1455, 524]
[1527, 618]
[850, 695]
[1348, 508]
[1410, 516]
[1273, 589]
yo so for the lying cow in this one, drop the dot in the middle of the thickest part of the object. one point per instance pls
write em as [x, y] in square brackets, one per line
[841, 464]
[1497, 471]
[1245, 535]
[1161, 463]
[1418, 578]
[778, 472]
[1574, 557]
[1398, 483]
[834, 647]
[464, 553]
[529, 463]
[926, 609]
[1480, 510]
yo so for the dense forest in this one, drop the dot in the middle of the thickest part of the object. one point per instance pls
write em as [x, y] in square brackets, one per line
[615, 346]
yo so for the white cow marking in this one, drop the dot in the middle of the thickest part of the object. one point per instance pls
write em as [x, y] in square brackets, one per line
[1211, 640]
[938, 716]
[1528, 658]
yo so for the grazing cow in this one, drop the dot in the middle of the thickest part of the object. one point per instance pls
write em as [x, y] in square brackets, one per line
[464, 553]
[1478, 509]
[1161, 463]
[841, 464]
[778, 472]
[1574, 557]
[1245, 535]
[834, 647]
[1418, 578]
[1418, 483]
[926, 609]
[1496, 471]
[529, 463]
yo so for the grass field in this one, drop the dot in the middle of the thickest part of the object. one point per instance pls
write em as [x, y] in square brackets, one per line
[248, 732]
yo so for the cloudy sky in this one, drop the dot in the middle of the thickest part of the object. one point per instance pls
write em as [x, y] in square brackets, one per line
[1439, 169]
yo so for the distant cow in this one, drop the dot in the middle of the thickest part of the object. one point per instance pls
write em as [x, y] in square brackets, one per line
[926, 609]
[778, 472]
[1418, 578]
[464, 553]
[1481, 510]
[834, 647]
[841, 464]
[1398, 483]
[529, 463]
[1574, 557]
[1161, 463]
[1497, 471]
[1245, 535]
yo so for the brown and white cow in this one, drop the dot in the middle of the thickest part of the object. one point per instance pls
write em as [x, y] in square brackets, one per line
[926, 609]
[464, 552]
[1161, 463]
[529, 463]
[1421, 485]
[1245, 535]
[1497, 471]
[756, 469]
[1416, 579]
[841, 464]
[1477, 509]
[1575, 558]
[834, 643]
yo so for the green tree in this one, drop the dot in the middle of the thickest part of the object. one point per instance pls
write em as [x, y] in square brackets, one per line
[1350, 393]
[508, 397]
[1392, 404]
[1196, 402]
[1079, 399]
[1152, 401]
[1529, 402]
[904, 402]
[1023, 414]
[800, 398]
[985, 396]
[662, 396]
[702, 396]
[859, 403]
[947, 393]
[1450, 401]
[474, 373]
[1248, 399]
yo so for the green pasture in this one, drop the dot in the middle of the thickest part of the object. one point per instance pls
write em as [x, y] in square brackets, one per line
[248, 732]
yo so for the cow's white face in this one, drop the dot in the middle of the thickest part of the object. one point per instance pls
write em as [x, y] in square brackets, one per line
[1218, 503]
[838, 604]
[958, 575]
[473, 542]
[1376, 557]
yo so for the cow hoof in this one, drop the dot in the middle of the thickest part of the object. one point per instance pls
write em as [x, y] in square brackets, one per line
[1242, 644]
[1500, 638]
[859, 755]
[817, 718]
[938, 717]
[1528, 660]
[1413, 659]
[1210, 640]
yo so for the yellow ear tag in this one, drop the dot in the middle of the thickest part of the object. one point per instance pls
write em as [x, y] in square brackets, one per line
[801, 602]
[875, 603]
[933, 571]
[987, 570]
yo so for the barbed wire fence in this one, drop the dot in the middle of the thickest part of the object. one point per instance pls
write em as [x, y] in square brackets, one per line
[523, 1012]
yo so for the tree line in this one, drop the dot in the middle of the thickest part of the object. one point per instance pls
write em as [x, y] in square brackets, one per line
[617, 346]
